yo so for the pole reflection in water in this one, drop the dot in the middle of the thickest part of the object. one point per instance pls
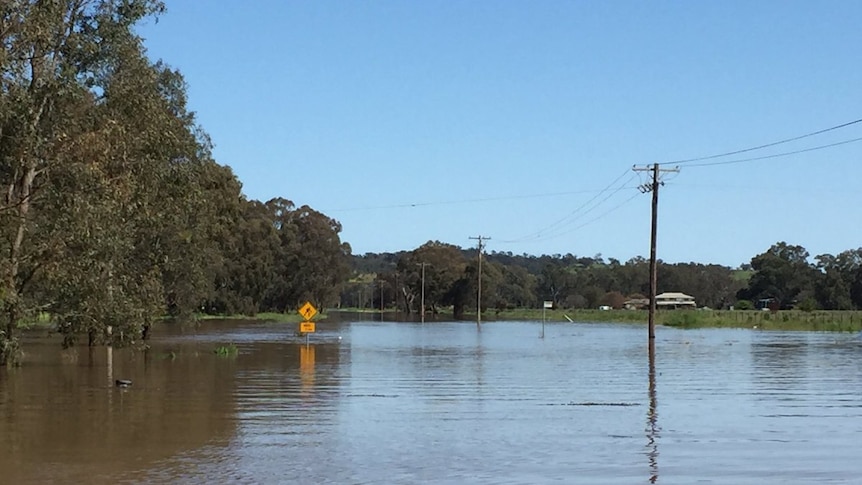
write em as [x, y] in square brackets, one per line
[653, 429]
[306, 368]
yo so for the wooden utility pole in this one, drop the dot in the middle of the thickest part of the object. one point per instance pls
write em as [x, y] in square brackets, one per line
[479, 293]
[422, 299]
[653, 269]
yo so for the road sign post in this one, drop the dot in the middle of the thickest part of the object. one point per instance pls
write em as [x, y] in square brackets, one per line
[307, 311]
[545, 306]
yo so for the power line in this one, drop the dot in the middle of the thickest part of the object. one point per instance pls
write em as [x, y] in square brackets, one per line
[469, 201]
[766, 188]
[767, 145]
[584, 224]
[777, 155]
[573, 215]
[569, 231]
[600, 216]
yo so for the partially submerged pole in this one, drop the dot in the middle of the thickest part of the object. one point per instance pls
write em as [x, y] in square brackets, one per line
[653, 269]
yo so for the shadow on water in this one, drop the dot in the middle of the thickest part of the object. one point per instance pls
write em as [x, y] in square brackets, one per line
[652, 430]
[62, 414]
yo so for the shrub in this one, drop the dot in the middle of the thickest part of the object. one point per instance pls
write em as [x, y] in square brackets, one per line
[744, 305]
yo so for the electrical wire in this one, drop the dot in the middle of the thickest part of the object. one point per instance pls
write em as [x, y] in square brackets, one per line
[777, 155]
[469, 201]
[767, 145]
[603, 214]
[581, 226]
[569, 215]
[549, 231]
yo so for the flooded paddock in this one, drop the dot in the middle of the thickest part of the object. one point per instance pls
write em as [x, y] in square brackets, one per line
[372, 402]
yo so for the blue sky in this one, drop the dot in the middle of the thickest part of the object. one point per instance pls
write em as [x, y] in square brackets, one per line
[439, 120]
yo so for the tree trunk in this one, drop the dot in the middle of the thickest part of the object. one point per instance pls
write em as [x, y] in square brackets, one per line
[19, 195]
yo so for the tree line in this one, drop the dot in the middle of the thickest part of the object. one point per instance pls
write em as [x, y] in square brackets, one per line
[781, 277]
[113, 211]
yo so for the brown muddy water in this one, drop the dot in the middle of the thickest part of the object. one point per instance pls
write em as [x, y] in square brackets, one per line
[372, 402]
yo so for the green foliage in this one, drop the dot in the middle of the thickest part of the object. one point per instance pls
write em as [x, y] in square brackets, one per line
[821, 321]
[807, 305]
[684, 319]
[229, 350]
[511, 281]
[521, 282]
[744, 305]
[278, 257]
[10, 350]
[743, 275]
[444, 282]
[782, 272]
[115, 213]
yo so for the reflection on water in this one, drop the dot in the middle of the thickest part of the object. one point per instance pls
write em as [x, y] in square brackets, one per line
[386, 402]
[652, 417]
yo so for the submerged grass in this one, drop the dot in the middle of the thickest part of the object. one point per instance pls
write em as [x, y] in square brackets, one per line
[229, 350]
[821, 321]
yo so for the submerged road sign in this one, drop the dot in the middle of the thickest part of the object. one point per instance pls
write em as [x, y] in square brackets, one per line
[307, 311]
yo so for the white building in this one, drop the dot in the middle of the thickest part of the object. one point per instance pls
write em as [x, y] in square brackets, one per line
[675, 300]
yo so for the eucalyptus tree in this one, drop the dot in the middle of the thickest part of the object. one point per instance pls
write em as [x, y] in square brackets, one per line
[108, 181]
[321, 260]
[782, 272]
[444, 266]
[840, 284]
[517, 288]
[251, 251]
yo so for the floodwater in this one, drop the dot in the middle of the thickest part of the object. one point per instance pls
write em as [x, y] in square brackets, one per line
[372, 402]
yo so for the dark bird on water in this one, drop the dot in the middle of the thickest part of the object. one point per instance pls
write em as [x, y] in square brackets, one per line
[123, 382]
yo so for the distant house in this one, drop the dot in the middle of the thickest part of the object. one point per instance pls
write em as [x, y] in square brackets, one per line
[636, 304]
[767, 304]
[674, 300]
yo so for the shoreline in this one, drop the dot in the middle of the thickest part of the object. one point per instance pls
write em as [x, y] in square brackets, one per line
[788, 320]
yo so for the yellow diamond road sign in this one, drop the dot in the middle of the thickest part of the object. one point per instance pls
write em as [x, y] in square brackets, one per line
[307, 311]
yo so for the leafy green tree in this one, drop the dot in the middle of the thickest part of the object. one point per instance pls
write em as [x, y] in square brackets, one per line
[62, 134]
[556, 281]
[782, 272]
[322, 259]
[840, 286]
[517, 287]
[744, 305]
[444, 266]
[250, 253]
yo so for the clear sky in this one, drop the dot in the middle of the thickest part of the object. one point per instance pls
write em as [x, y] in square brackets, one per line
[411, 121]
